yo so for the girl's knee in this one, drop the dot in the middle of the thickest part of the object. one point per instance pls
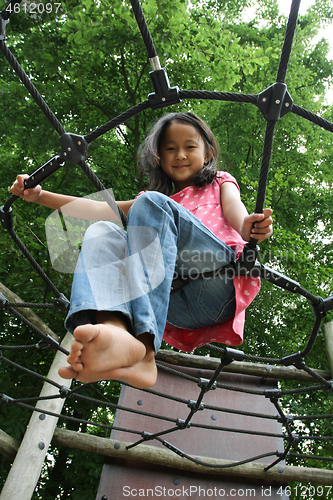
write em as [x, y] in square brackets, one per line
[150, 198]
[148, 205]
[100, 229]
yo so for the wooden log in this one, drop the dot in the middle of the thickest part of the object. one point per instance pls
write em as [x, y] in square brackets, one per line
[328, 336]
[27, 313]
[26, 469]
[111, 448]
[256, 369]
[8, 445]
[166, 458]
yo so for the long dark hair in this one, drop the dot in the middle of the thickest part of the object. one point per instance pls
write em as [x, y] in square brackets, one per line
[149, 153]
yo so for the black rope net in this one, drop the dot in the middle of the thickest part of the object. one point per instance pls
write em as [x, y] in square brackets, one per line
[273, 102]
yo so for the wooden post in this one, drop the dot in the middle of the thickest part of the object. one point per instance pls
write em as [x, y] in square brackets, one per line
[328, 336]
[8, 445]
[24, 474]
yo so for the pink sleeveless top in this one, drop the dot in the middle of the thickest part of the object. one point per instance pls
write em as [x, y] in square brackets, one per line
[205, 203]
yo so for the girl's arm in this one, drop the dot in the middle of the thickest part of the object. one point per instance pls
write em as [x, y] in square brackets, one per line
[82, 208]
[237, 216]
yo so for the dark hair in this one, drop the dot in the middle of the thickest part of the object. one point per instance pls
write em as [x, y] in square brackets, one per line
[149, 153]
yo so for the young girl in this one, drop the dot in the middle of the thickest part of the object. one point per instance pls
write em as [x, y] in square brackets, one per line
[194, 222]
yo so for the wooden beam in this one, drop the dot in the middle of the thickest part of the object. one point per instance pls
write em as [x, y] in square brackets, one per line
[27, 313]
[166, 458]
[328, 336]
[25, 471]
[256, 369]
[8, 445]
[149, 454]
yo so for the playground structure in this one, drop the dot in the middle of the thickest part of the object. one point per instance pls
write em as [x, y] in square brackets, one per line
[274, 103]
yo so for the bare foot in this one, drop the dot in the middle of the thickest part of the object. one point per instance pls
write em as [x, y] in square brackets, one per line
[110, 352]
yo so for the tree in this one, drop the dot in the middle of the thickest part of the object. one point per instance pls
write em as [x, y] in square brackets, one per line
[88, 61]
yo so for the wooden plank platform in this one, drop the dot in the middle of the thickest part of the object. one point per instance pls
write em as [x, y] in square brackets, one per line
[127, 478]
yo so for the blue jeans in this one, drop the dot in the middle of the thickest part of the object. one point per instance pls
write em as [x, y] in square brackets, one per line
[132, 271]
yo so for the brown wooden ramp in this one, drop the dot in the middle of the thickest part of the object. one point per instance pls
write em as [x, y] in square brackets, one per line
[122, 479]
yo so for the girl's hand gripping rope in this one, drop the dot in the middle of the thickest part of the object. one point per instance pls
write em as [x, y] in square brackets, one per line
[31, 194]
[258, 226]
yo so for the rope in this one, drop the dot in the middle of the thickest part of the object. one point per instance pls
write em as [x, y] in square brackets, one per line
[207, 407]
[185, 94]
[218, 96]
[47, 339]
[288, 41]
[69, 394]
[33, 262]
[74, 419]
[310, 457]
[212, 465]
[103, 191]
[265, 161]
[239, 431]
[30, 305]
[247, 357]
[141, 21]
[313, 337]
[219, 385]
[138, 108]
[31, 88]
[312, 117]
[313, 417]
[30, 347]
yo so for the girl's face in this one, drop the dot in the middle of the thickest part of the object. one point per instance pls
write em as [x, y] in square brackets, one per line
[182, 153]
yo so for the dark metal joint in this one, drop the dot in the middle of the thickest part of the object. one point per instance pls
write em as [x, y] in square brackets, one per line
[296, 438]
[272, 394]
[43, 172]
[65, 392]
[181, 424]
[146, 436]
[231, 355]
[275, 101]
[42, 344]
[54, 344]
[323, 306]
[3, 24]
[164, 94]
[285, 419]
[193, 405]
[61, 303]
[247, 260]
[6, 218]
[203, 383]
[295, 359]
[3, 302]
[74, 147]
[7, 400]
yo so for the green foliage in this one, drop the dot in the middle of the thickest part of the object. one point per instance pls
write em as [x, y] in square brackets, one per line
[89, 63]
